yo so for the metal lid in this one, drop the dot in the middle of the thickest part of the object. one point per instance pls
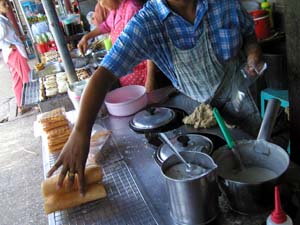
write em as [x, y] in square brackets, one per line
[152, 118]
[186, 142]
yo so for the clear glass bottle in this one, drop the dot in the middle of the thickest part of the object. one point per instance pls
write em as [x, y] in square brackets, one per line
[244, 83]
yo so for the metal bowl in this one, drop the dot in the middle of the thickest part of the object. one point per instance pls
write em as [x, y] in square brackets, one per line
[98, 56]
[80, 62]
[75, 53]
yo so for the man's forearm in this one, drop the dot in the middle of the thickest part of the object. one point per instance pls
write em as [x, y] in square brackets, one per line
[93, 98]
[150, 80]
[251, 45]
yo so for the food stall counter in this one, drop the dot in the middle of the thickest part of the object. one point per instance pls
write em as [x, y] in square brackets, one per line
[133, 180]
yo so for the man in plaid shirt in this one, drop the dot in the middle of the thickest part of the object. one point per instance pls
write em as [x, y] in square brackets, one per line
[199, 45]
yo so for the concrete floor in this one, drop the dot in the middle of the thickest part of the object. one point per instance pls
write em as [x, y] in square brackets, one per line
[21, 171]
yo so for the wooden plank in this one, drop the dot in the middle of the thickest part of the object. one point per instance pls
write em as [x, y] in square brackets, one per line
[293, 61]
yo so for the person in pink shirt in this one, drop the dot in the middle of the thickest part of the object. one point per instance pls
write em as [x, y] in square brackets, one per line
[100, 14]
[120, 13]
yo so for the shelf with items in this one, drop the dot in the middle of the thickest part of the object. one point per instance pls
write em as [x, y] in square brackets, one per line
[36, 19]
[18, 17]
[45, 42]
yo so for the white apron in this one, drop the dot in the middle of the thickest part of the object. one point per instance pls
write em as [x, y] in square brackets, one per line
[203, 78]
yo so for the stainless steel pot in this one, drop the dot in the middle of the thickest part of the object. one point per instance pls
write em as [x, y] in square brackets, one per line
[98, 56]
[192, 200]
[80, 60]
[75, 53]
[243, 194]
[156, 119]
[152, 119]
[184, 142]
[250, 193]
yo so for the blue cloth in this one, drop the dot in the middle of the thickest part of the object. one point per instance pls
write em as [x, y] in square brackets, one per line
[147, 34]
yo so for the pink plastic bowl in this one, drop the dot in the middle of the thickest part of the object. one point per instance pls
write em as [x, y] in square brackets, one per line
[126, 100]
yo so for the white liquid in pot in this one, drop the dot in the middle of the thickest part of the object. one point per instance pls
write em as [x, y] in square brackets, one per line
[179, 171]
[253, 175]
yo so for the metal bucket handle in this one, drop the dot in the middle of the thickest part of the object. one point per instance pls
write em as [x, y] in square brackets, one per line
[267, 125]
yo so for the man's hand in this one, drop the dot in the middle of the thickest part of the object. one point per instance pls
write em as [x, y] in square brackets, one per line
[73, 159]
[74, 154]
[254, 56]
[255, 63]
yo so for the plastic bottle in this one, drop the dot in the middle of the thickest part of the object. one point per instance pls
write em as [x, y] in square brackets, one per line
[278, 216]
[266, 5]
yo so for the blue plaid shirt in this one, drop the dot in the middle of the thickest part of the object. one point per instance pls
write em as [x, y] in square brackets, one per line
[147, 34]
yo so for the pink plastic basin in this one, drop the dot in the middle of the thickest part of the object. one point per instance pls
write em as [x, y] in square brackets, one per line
[126, 100]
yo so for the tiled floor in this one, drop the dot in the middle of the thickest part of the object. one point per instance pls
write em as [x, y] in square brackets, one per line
[20, 161]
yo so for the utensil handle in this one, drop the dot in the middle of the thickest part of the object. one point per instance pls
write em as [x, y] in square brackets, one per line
[166, 140]
[224, 129]
[269, 119]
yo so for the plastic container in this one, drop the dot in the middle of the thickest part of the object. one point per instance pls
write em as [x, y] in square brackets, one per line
[46, 47]
[42, 48]
[278, 216]
[44, 37]
[261, 24]
[126, 100]
[51, 46]
[99, 137]
[107, 43]
[75, 91]
[29, 5]
[50, 36]
[265, 5]
[72, 24]
[29, 48]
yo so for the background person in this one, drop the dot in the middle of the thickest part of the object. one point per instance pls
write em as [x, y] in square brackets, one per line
[100, 14]
[14, 54]
[121, 11]
[97, 17]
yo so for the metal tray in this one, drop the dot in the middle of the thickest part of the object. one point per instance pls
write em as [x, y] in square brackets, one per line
[50, 68]
[30, 93]
[124, 203]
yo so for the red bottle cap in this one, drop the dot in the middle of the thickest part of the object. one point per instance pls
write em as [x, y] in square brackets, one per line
[278, 215]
